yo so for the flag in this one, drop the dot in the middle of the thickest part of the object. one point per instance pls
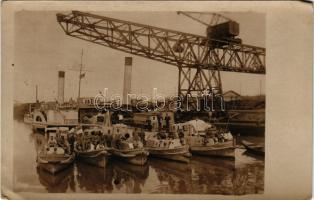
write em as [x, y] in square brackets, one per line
[82, 75]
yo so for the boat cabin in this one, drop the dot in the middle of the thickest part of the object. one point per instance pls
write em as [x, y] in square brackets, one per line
[124, 137]
[168, 143]
[122, 129]
[194, 127]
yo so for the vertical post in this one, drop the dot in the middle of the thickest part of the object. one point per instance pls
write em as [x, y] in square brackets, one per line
[260, 88]
[219, 84]
[61, 86]
[80, 77]
[36, 93]
[127, 79]
[179, 81]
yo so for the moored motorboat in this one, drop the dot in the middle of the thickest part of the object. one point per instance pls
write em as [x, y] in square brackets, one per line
[90, 146]
[220, 149]
[127, 146]
[98, 157]
[255, 148]
[166, 147]
[57, 153]
[133, 156]
[205, 139]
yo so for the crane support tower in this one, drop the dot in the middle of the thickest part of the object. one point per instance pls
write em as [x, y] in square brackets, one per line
[199, 59]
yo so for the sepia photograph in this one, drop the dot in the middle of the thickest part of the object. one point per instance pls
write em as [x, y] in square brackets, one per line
[139, 102]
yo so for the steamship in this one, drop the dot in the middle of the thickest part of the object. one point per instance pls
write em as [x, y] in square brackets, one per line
[53, 114]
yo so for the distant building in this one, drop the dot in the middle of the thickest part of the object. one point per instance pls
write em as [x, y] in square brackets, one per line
[231, 96]
[233, 100]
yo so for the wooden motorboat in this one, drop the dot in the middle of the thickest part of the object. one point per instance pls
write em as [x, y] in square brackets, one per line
[56, 154]
[54, 163]
[205, 139]
[127, 147]
[98, 157]
[167, 148]
[90, 146]
[220, 149]
[255, 148]
[133, 156]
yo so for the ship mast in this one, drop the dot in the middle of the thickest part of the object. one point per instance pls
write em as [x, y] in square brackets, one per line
[80, 77]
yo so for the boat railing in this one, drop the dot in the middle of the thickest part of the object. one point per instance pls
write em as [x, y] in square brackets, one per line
[70, 121]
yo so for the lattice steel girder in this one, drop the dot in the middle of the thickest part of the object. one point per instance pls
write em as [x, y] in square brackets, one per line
[196, 81]
[167, 46]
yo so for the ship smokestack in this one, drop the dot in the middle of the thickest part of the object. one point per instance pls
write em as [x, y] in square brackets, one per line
[127, 79]
[61, 80]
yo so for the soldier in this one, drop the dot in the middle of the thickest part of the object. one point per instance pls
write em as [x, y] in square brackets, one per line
[181, 136]
[159, 119]
[71, 139]
[167, 120]
[79, 138]
[136, 139]
[52, 141]
[149, 125]
[142, 136]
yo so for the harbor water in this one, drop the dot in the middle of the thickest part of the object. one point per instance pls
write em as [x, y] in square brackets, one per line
[203, 175]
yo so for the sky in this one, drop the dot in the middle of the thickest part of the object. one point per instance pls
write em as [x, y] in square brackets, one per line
[42, 49]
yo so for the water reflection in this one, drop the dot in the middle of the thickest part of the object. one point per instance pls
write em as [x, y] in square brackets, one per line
[128, 176]
[59, 183]
[173, 177]
[213, 176]
[94, 179]
[244, 175]
[208, 176]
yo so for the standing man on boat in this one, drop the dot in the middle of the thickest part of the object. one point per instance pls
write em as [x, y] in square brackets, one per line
[71, 139]
[142, 136]
[181, 136]
[167, 119]
[159, 119]
[149, 125]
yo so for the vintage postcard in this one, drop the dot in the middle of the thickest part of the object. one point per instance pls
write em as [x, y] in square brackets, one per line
[156, 100]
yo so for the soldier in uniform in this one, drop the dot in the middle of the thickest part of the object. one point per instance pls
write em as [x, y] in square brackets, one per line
[167, 120]
[159, 119]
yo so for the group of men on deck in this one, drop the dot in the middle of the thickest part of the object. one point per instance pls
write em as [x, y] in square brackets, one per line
[162, 123]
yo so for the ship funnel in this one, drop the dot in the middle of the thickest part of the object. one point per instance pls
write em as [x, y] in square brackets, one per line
[127, 79]
[61, 76]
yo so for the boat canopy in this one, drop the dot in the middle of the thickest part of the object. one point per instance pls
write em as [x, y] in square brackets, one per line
[199, 125]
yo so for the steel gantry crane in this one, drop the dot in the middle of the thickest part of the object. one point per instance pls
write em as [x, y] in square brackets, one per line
[199, 59]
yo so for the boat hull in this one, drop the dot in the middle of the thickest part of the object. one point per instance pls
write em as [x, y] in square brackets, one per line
[53, 168]
[254, 149]
[135, 157]
[180, 154]
[225, 150]
[54, 164]
[98, 158]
